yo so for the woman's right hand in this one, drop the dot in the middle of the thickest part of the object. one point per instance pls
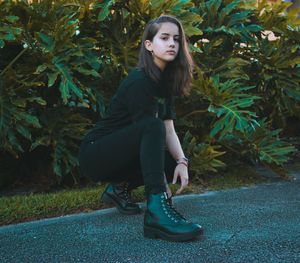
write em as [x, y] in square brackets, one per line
[169, 192]
[182, 172]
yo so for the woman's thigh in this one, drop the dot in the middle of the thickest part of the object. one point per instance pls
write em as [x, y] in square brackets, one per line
[134, 172]
[110, 156]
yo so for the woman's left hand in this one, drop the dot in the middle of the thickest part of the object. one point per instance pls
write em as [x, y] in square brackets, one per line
[181, 171]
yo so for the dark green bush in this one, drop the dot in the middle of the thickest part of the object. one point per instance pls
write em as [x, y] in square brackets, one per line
[61, 62]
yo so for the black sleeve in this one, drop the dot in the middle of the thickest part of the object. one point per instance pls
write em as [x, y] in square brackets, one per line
[140, 101]
[170, 113]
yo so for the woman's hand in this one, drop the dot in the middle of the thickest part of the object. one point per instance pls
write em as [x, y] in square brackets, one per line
[181, 171]
[169, 191]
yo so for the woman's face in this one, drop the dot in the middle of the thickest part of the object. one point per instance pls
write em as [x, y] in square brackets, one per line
[165, 44]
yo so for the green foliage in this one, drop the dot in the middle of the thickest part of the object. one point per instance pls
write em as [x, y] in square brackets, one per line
[276, 74]
[204, 156]
[228, 101]
[245, 76]
[15, 120]
[8, 32]
[53, 59]
[122, 29]
[260, 144]
[61, 61]
[226, 19]
[266, 144]
[63, 129]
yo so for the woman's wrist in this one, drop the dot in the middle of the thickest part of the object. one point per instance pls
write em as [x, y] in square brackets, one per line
[183, 160]
[183, 163]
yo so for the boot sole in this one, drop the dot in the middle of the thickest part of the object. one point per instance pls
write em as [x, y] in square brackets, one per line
[108, 200]
[154, 233]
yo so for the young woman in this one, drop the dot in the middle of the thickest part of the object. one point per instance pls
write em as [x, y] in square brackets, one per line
[136, 143]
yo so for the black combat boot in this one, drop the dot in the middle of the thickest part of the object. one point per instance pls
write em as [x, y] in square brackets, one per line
[119, 195]
[161, 220]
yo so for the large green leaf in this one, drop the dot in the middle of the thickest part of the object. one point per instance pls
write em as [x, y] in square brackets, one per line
[268, 146]
[78, 52]
[104, 8]
[204, 157]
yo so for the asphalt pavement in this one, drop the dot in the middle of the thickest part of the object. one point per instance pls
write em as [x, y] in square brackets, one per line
[251, 224]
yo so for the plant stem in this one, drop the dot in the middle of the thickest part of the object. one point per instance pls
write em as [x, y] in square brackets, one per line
[194, 112]
[13, 61]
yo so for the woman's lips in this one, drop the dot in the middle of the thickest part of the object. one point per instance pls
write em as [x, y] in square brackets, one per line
[171, 52]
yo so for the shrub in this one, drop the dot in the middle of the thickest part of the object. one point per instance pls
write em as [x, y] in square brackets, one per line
[61, 62]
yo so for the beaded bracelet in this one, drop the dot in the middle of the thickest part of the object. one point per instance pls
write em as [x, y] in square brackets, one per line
[183, 163]
[184, 159]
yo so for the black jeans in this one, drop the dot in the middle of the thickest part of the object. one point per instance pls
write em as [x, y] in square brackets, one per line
[136, 153]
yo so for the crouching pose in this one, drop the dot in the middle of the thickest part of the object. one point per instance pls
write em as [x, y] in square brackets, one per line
[136, 143]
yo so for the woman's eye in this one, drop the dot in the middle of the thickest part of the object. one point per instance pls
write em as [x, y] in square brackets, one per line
[165, 38]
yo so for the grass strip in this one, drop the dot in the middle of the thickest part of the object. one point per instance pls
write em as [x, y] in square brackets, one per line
[22, 208]
[35, 206]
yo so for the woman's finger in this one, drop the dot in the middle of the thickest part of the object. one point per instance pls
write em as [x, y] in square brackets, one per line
[179, 190]
[175, 177]
[184, 183]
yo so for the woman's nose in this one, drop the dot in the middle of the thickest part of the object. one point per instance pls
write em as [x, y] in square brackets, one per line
[172, 43]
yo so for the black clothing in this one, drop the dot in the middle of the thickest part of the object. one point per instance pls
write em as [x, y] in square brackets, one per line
[129, 143]
[137, 96]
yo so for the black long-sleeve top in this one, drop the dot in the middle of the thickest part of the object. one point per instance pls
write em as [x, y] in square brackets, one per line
[136, 97]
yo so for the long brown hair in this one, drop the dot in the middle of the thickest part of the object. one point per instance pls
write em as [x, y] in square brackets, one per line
[177, 75]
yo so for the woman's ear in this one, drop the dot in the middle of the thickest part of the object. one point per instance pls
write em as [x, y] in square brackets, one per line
[148, 45]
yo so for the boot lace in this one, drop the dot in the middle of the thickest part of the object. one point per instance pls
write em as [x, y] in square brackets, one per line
[170, 210]
[123, 191]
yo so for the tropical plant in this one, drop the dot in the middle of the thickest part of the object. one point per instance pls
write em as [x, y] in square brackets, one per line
[48, 74]
[60, 62]
[228, 78]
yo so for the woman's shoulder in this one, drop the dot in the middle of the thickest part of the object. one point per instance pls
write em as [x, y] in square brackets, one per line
[137, 74]
[137, 79]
